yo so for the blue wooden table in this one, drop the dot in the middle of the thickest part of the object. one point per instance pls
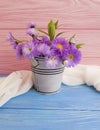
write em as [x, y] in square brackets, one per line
[72, 108]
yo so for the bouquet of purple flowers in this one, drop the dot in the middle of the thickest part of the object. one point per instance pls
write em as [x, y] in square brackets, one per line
[51, 46]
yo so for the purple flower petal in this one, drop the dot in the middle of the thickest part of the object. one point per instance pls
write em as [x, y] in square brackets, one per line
[60, 47]
[32, 32]
[32, 29]
[19, 51]
[32, 25]
[74, 57]
[46, 40]
[52, 62]
[72, 46]
[12, 40]
[29, 50]
[43, 49]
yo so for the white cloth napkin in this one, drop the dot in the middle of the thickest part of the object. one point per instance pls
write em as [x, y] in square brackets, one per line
[15, 84]
[20, 82]
[83, 74]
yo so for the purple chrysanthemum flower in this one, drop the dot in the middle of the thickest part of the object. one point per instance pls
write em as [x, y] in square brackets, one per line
[60, 47]
[32, 25]
[43, 49]
[73, 57]
[46, 40]
[54, 49]
[29, 50]
[13, 41]
[19, 51]
[52, 62]
[32, 30]
[43, 46]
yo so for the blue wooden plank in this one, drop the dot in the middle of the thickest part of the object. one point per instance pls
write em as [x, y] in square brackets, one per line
[72, 108]
[30, 119]
[80, 97]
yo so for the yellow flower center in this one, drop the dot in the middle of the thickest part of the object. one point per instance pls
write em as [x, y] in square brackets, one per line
[54, 58]
[30, 49]
[60, 46]
[71, 57]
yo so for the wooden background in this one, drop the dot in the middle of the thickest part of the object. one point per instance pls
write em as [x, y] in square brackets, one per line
[80, 17]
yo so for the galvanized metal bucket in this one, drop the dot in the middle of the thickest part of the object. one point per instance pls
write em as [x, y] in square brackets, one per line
[46, 80]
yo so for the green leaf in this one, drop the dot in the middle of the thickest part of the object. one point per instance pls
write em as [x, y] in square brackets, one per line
[40, 30]
[78, 46]
[59, 34]
[51, 30]
[71, 38]
[56, 24]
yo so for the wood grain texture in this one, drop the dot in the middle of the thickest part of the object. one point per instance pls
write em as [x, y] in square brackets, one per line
[72, 108]
[49, 119]
[72, 13]
[68, 98]
[76, 16]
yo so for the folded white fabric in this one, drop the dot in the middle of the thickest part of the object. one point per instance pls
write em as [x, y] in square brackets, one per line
[74, 76]
[15, 84]
[82, 74]
[20, 82]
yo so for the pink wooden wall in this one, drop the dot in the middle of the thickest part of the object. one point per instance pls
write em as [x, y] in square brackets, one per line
[80, 17]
